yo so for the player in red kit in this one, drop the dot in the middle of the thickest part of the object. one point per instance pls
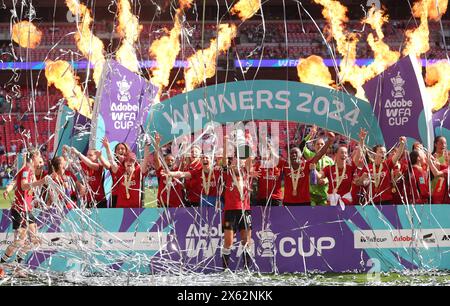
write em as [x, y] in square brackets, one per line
[237, 213]
[418, 180]
[114, 161]
[67, 185]
[269, 170]
[340, 175]
[192, 164]
[130, 186]
[204, 181]
[170, 190]
[93, 173]
[23, 221]
[379, 185]
[296, 175]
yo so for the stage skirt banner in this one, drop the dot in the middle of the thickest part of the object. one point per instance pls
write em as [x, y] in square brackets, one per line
[284, 240]
[398, 98]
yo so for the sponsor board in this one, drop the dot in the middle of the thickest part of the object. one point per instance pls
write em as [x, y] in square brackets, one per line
[105, 241]
[404, 238]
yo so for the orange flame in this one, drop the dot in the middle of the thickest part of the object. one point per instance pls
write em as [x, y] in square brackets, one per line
[383, 55]
[336, 15]
[202, 64]
[417, 40]
[437, 78]
[165, 50]
[89, 44]
[435, 8]
[312, 70]
[185, 3]
[129, 30]
[246, 8]
[61, 74]
[26, 34]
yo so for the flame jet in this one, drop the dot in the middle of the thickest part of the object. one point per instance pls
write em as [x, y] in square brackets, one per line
[129, 30]
[246, 9]
[26, 34]
[61, 74]
[88, 44]
[202, 65]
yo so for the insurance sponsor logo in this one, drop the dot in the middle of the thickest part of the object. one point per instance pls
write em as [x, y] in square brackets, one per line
[404, 238]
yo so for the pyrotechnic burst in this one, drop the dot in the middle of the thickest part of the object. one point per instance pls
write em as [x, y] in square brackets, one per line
[61, 74]
[26, 34]
[202, 65]
[129, 30]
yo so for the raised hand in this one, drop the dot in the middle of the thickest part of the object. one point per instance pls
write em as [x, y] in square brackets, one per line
[362, 134]
[65, 149]
[330, 135]
[157, 139]
[105, 142]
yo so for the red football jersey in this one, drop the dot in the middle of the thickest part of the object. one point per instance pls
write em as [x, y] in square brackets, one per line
[95, 181]
[23, 198]
[232, 196]
[382, 192]
[198, 183]
[302, 195]
[169, 194]
[419, 186]
[344, 181]
[134, 189]
[269, 183]
[116, 179]
[440, 191]
[192, 189]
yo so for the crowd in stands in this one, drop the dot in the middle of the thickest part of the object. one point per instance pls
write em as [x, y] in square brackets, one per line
[302, 39]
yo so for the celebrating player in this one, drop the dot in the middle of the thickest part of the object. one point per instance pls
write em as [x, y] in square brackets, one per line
[93, 172]
[24, 223]
[296, 178]
[237, 213]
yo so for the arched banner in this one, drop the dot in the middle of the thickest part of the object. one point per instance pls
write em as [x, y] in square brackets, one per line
[263, 100]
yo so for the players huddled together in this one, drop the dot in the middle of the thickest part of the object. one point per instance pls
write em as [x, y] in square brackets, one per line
[232, 179]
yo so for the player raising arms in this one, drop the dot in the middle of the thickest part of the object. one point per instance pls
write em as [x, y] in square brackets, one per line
[379, 173]
[23, 221]
[296, 178]
[269, 169]
[120, 151]
[170, 190]
[130, 188]
[93, 173]
[340, 175]
[204, 182]
[237, 213]
[67, 184]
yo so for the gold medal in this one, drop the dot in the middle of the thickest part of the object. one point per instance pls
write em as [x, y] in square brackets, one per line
[295, 176]
[377, 174]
